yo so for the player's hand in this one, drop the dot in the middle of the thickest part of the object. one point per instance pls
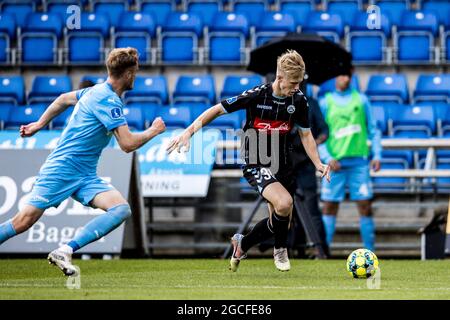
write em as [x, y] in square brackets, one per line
[334, 165]
[182, 141]
[375, 165]
[158, 125]
[29, 129]
[325, 170]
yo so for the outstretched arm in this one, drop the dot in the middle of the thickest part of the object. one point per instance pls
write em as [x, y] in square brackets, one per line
[59, 105]
[311, 149]
[130, 141]
[202, 120]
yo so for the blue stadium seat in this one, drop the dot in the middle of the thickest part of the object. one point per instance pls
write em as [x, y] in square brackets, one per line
[23, 115]
[346, 9]
[443, 184]
[299, 10]
[61, 120]
[7, 36]
[413, 121]
[251, 9]
[326, 24]
[4, 114]
[60, 7]
[20, 10]
[87, 45]
[95, 79]
[112, 9]
[414, 39]
[148, 89]
[272, 25]
[175, 117]
[225, 40]
[380, 118]
[433, 87]
[48, 88]
[330, 85]
[394, 160]
[196, 108]
[12, 89]
[441, 9]
[135, 117]
[159, 9]
[234, 85]
[38, 42]
[445, 44]
[135, 30]
[179, 38]
[206, 9]
[388, 87]
[226, 123]
[368, 45]
[442, 112]
[393, 9]
[195, 89]
[148, 111]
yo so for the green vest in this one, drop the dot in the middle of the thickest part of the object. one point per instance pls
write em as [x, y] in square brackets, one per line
[348, 129]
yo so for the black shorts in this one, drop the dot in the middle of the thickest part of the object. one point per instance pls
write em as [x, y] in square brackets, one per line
[260, 177]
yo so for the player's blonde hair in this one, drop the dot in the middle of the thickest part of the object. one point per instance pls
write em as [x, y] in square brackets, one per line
[120, 60]
[291, 64]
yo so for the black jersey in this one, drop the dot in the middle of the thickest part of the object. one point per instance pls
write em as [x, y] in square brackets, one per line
[268, 119]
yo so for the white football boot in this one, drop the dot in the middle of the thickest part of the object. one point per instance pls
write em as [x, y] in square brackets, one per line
[238, 254]
[281, 259]
[63, 261]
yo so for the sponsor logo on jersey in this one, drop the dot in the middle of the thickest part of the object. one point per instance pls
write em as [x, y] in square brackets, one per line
[272, 125]
[279, 102]
[232, 99]
[291, 109]
[264, 107]
[116, 113]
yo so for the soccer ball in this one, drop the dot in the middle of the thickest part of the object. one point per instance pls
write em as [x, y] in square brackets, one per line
[362, 263]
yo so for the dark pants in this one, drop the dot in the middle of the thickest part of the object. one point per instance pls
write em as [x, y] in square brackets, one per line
[307, 189]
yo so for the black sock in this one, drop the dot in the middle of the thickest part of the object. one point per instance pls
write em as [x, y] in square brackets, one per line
[260, 232]
[280, 228]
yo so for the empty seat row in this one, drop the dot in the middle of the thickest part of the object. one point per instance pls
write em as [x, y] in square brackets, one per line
[423, 120]
[394, 88]
[139, 116]
[202, 88]
[149, 89]
[228, 30]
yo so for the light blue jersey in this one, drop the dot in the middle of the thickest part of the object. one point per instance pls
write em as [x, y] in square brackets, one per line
[71, 169]
[99, 111]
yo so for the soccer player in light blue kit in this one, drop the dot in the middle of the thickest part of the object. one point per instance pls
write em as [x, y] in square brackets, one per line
[71, 169]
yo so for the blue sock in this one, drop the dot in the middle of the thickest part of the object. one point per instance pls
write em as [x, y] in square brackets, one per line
[367, 229]
[101, 226]
[6, 231]
[329, 223]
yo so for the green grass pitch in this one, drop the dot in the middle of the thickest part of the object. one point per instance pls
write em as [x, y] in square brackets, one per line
[210, 279]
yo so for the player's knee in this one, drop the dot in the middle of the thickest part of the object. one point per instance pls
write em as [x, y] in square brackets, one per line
[122, 211]
[365, 208]
[284, 206]
[330, 208]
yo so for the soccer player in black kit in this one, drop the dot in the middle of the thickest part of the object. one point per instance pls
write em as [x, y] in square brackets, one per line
[272, 110]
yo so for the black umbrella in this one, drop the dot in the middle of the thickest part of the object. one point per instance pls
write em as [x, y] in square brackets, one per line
[323, 59]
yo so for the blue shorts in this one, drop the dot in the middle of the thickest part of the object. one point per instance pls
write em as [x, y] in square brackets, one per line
[50, 190]
[356, 178]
